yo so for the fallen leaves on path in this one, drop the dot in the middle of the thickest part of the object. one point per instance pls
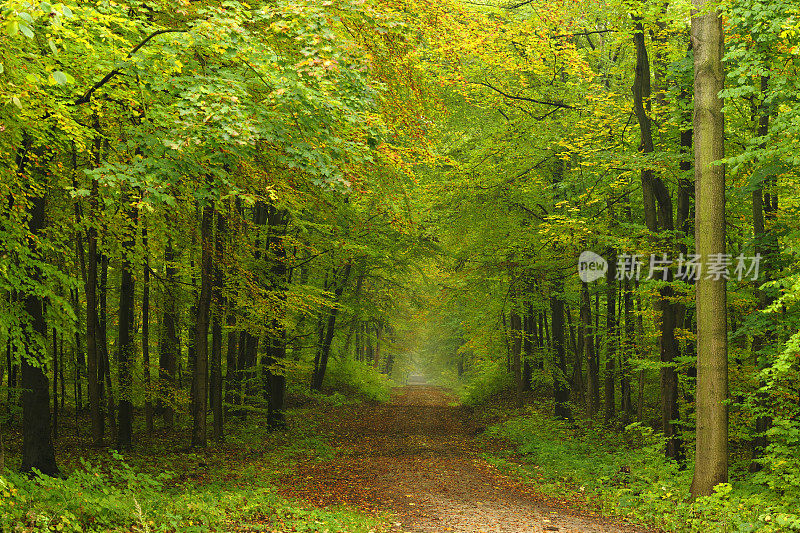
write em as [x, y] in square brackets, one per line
[416, 458]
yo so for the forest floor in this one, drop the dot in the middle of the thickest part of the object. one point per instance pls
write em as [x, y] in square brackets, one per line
[418, 459]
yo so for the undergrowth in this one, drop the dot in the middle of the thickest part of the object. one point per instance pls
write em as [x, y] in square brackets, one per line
[359, 378]
[230, 487]
[627, 475]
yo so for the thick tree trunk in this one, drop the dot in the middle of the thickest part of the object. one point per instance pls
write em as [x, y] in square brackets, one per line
[37, 445]
[711, 457]
[199, 398]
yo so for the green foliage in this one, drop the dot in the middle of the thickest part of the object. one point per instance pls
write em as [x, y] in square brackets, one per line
[117, 497]
[626, 474]
[485, 379]
[360, 378]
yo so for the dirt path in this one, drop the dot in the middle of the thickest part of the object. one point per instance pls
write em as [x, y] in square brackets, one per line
[415, 457]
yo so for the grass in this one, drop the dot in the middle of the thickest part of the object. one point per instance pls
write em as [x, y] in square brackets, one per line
[161, 486]
[626, 475]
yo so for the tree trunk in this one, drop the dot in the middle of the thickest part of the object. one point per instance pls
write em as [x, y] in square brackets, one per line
[93, 365]
[199, 398]
[102, 337]
[629, 347]
[711, 457]
[516, 353]
[148, 392]
[37, 445]
[611, 336]
[766, 245]
[278, 220]
[55, 384]
[168, 355]
[560, 388]
[658, 216]
[216, 329]
[593, 374]
[126, 344]
[325, 348]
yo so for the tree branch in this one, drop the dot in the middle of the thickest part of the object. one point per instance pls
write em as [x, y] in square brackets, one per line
[560, 105]
[105, 79]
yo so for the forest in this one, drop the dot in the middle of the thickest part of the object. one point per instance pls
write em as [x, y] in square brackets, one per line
[400, 265]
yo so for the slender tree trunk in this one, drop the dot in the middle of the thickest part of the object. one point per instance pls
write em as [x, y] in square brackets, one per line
[629, 347]
[560, 388]
[611, 336]
[126, 344]
[766, 246]
[199, 399]
[80, 361]
[530, 334]
[168, 356]
[55, 385]
[593, 375]
[516, 353]
[711, 457]
[93, 365]
[216, 329]
[148, 392]
[278, 220]
[102, 337]
[325, 348]
[658, 216]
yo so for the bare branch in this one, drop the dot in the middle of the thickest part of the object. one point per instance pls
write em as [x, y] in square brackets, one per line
[560, 105]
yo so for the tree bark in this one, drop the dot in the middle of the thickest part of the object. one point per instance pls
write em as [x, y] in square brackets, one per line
[611, 336]
[325, 348]
[278, 220]
[126, 344]
[168, 356]
[37, 445]
[711, 457]
[593, 374]
[658, 216]
[516, 353]
[148, 392]
[199, 398]
[93, 365]
[560, 388]
[216, 329]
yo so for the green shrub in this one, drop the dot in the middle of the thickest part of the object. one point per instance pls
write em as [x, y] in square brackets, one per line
[626, 474]
[485, 379]
[118, 499]
[359, 378]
